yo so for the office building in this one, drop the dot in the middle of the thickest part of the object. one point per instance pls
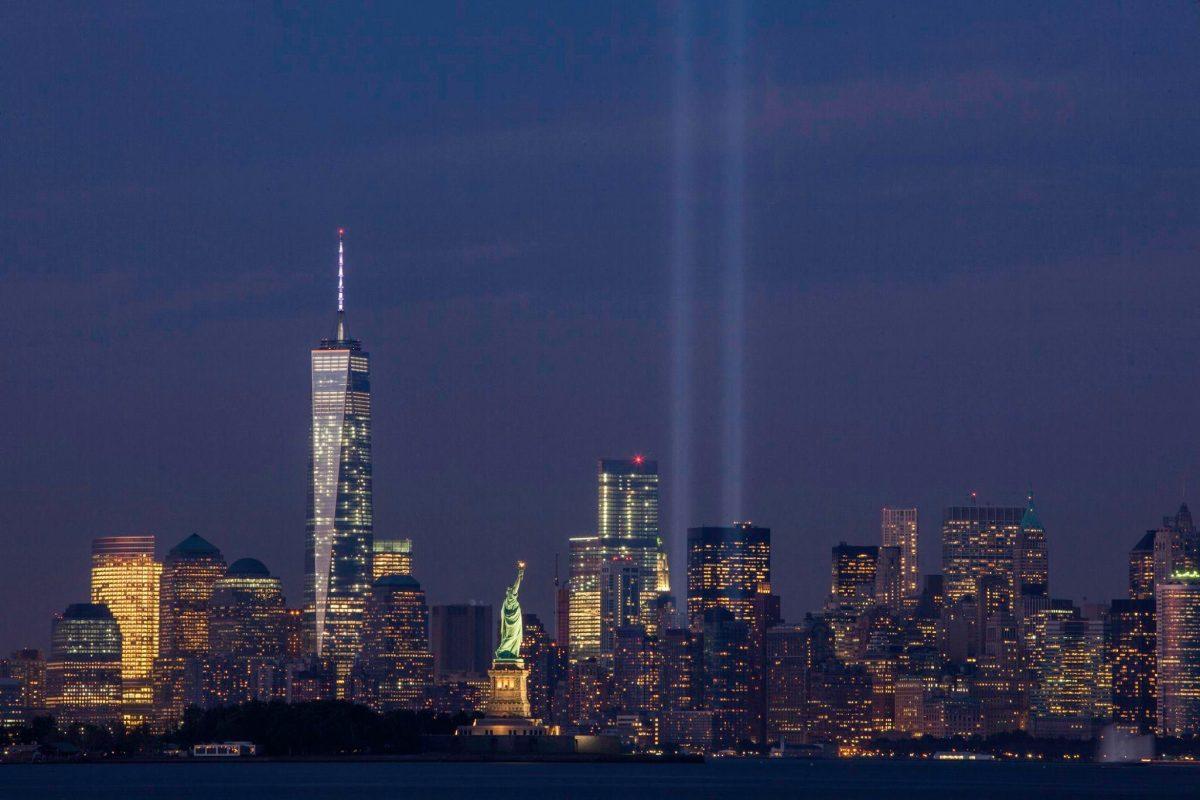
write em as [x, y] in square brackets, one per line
[27, 666]
[977, 541]
[620, 599]
[852, 577]
[189, 573]
[246, 635]
[125, 578]
[461, 639]
[727, 663]
[727, 567]
[1177, 605]
[84, 684]
[1031, 565]
[340, 526]
[1134, 659]
[889, 580]
[1141, 568]
[1074, 679]
[899, 528]
[396, 663]
[391, 557]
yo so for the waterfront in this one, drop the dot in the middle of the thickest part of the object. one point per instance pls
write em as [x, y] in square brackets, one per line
[844, 780]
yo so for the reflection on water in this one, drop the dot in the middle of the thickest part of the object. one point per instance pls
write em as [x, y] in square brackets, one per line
[742, 779]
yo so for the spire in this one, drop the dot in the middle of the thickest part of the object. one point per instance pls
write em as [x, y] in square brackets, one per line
[341, 311]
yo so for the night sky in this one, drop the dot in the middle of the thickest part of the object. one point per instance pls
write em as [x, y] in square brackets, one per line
[970, 264]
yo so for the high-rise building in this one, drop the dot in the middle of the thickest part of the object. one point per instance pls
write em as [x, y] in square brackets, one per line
[396, 664]
[1134, 664]
[1177, 604]
[185, 588]
[1141, 568]
[391, 557]
[852, 576]
[125, 578]
[620, 599]
[788, 661]
[27, 666]
[977, 541]
[727, 663]
[899, 528]
[461, 638]
[189, 572]
[246, 635]
[889, 580]
[1074, 678]
[588, 555]
[543, 657]
[340, 525]
[1031, 565]
[727, 567]
[628, 500]
[1175, 546]
[635, 676]
[84, 672]
[627, 509]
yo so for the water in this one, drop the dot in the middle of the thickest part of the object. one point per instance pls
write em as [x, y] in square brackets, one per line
[746, 780]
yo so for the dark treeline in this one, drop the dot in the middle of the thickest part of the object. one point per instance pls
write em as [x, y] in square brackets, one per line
[321, 728]
[325, 728]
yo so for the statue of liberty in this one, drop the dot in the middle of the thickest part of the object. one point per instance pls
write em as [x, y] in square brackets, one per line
[511, 630]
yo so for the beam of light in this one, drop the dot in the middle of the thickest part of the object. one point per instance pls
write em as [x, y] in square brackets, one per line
[682, 266]
[733, 310]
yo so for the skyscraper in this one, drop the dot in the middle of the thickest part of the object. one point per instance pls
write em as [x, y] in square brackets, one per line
[727, 568]
[1141, 568]
[620, 599]
[627, 509]
[852, 576]
[1031, 566]
[899, 528]
[889, 579]
[1074, 679]
[1177, 603]
[246, 634]
[1134, 664]
[84, 673]
[125, 578]
[396, 664]
[185, 589]
[977, 541]
[391, 557]
[461, 637]
[340, 501]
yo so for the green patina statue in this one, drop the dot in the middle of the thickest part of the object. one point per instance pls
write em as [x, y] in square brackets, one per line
[511, 629]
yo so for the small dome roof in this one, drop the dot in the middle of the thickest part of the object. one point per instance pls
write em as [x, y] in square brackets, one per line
[87, 611]
[248, 567]
[195, 545]
[396, 581]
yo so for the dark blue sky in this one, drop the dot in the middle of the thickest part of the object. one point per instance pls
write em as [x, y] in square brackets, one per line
[971, 252]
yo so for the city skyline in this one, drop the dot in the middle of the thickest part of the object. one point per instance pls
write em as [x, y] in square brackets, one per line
[986, 285]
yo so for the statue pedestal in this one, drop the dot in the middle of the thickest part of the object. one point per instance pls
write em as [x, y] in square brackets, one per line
[510, 694]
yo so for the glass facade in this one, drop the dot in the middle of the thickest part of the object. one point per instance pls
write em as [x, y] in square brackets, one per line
[727, 568]
[899, 528]
[125, 578]
[339, 547]
[1178, 611]
[391, 557]
[395, 668]
[246, 634]
[977, 541]
[84, 673]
